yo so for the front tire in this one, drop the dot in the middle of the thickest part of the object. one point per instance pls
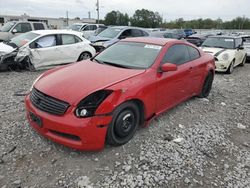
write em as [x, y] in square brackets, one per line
[84, 56]
[207, 85]
[230, 68]
[124, 124]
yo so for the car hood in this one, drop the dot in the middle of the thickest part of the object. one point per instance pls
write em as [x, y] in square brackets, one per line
[214, 51]
[5, 49]
[76, 81]
[98, 38]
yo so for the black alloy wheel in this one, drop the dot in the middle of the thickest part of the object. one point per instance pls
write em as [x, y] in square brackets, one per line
[124, 124]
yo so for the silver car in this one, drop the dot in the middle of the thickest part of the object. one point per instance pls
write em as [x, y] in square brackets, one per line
[13, 29]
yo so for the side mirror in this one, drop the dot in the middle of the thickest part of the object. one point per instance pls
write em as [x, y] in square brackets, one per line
[14, 31]
[240, 47]
[167, 67]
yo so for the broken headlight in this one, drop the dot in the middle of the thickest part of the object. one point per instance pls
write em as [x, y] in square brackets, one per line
[88, 106]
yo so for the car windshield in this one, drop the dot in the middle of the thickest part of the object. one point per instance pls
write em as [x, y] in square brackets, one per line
[22, 39]
[76, 27]
[110, 33]
[7, 27]
[129, 55]
[227, 43]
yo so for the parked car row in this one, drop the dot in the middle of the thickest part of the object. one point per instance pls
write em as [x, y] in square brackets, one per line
[136, 76]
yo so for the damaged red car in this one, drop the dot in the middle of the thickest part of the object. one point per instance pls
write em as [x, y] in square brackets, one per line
[103, 100]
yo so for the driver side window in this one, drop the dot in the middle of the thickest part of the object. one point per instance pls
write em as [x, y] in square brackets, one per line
[45, 42]
[177, 54]
[23, 27]
[126, 33]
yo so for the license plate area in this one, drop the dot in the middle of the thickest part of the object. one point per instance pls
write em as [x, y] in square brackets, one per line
[36, 119]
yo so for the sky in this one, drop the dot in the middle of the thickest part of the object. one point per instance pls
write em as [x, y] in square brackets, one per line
[169, 9]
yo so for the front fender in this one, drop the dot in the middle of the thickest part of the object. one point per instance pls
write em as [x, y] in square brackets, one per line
[143, 89]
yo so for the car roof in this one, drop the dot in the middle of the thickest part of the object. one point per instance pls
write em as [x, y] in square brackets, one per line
[149, 40]
[47, 32]
[127, 27]
[225, 36]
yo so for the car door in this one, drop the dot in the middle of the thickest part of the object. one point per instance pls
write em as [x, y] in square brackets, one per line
[197, 69]
[240, 53]
[70, 47]
[20, 28]
[174, 87]
[44, 51]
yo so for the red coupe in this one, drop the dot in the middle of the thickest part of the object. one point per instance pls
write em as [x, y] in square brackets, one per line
[105, 99]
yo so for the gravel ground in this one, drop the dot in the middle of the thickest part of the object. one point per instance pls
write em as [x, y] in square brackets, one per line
[200, 143]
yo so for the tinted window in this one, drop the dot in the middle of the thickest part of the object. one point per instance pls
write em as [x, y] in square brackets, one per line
[87, 28]
[177, 54]
[194, 53]
[45, 42]
[68, 39]
[38, 26]
[238, 42]
[136, 33]
[93, 27]
[145, 33]
[127, 33]
[23, 27]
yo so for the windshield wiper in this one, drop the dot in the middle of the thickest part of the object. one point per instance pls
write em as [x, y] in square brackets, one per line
[116, 65]
[217, 47]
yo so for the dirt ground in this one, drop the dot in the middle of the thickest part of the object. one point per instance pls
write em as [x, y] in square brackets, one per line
[199, 143]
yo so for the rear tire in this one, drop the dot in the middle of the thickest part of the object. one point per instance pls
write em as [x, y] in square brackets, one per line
[123, 126]
[207, 85]
[244, 61]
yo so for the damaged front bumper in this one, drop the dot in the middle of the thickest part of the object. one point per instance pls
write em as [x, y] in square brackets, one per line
[10, 62]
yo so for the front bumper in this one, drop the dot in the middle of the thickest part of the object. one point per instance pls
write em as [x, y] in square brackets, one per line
[81, 134]
[221, 66]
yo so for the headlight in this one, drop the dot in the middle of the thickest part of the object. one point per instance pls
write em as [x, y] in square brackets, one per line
[35, 82]
[88, 106]
[225, 56]
[98, 43]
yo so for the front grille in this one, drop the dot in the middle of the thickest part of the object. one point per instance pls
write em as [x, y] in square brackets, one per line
[48, 104]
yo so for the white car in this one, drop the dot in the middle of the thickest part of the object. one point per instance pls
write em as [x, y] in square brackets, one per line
[86, 29]
[44, 48]
[227, 50]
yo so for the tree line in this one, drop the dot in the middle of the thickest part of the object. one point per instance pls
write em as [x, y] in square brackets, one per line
[149, 19]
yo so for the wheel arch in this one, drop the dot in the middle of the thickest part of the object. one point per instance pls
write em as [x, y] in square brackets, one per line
[85, 51]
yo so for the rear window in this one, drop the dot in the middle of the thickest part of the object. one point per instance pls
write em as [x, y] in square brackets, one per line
[38, 26]
[194, 53]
